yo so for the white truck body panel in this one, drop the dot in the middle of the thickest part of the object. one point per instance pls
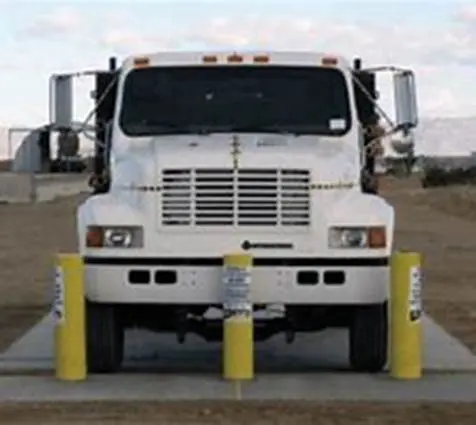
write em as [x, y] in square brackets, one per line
[271, 285]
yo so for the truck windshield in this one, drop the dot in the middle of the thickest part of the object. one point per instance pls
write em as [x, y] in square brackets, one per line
[253, 99]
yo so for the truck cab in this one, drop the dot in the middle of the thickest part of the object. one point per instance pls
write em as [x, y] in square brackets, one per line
[200, 154]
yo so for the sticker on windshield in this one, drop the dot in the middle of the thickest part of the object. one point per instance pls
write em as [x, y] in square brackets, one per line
[337, 123]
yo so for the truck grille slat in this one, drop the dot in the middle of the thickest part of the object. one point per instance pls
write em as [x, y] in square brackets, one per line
[227, 197]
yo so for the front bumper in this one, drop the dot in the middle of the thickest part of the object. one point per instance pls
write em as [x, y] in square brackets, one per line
[274, 280]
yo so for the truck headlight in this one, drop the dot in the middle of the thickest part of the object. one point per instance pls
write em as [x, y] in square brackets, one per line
[114, 237]
[358, 237]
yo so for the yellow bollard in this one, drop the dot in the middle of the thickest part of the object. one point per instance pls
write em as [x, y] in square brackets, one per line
[238, 355]
[69, 312]
[405, 316]
[238, 348]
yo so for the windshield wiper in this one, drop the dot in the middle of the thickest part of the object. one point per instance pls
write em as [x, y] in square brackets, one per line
[264, 129]
[158, 127]
[171, 127]
[165, 127]
[298, 130]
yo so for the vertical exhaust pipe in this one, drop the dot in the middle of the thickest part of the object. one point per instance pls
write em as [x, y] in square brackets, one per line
[112, 63]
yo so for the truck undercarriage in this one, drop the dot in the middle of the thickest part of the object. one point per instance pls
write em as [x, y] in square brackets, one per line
[207, 321]
[106, 325]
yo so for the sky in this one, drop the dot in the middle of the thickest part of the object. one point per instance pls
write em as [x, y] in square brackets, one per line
[437, 39]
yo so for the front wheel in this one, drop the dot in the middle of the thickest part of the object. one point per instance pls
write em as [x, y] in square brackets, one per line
[104, 338]
[368, 338]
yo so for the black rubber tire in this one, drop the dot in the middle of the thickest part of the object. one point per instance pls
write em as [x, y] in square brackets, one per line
[368, 338]
[104, 339]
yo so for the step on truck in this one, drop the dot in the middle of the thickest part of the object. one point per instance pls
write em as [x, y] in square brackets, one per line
[199, 154]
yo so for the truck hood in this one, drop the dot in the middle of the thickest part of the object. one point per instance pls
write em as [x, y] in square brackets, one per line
[251, 151]
[329, 159]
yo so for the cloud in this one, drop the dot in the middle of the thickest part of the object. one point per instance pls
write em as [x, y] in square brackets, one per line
[405, 44]
[402, 43]
[126, 41]
[467, 14]
[59, 22]
[116, 35]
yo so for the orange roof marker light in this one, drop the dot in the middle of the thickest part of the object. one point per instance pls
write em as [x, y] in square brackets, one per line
[141, 62]
[329, 61]
[235, 58]
[261, 59]
[209, 59]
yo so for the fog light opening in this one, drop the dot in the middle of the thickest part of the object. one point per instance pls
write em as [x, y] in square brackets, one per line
[139, 277]
[165, 277]
[307, 277]
[334, 277]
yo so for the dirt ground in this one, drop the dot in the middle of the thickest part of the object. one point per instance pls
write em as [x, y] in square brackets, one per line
[29, 237]
[438, 222]
[5, 165]
[234, 413]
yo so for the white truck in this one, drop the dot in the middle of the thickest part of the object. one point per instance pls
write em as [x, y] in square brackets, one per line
[205, 153]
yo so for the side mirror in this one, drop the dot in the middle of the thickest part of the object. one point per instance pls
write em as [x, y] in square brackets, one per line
[61, 101]
[405, 100]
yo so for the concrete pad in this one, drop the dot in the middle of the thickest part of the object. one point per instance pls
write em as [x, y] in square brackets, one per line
[48, 190]
[27, 188]
[324, 351]
[312, 368]
[305, 386]
[16, 187]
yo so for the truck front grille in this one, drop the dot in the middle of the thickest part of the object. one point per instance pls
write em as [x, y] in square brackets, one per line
[227, 197]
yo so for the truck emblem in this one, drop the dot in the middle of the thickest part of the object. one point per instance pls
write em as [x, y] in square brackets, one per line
[246, 245]
[235, 151]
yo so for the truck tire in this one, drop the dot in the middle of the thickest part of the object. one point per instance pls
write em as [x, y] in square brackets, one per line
[368, 338]
[104, 339]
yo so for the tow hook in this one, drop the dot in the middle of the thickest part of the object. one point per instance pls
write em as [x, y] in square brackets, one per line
[290, 335]
[289, 332]
[181, 325]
